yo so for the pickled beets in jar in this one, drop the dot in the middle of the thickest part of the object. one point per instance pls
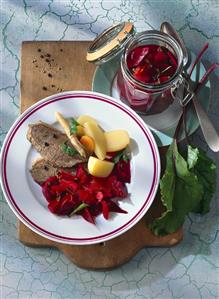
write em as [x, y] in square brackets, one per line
[143, 80]
[151, 64]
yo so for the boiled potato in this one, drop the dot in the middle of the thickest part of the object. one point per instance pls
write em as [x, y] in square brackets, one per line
[99, 168]
[86, 118]
[94, 131]
[116, 140]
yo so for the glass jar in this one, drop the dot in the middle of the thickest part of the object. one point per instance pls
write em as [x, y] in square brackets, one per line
[120, 42]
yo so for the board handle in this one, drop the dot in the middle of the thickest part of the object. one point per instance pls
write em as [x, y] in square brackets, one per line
[104, 255]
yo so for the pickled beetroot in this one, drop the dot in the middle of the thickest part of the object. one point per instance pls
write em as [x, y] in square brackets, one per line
[151, 64]
[66, 192]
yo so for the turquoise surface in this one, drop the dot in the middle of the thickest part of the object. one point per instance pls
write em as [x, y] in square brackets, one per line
[188, 271]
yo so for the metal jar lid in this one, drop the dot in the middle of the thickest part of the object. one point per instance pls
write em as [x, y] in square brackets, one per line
[110, 42]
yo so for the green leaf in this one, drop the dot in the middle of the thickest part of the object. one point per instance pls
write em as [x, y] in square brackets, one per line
[167, 183]
[126, 158]
[68, 150]
[192, 156]
[180, 193]
[79, 208]
[121, 155]
[205, 169]
[73, 126]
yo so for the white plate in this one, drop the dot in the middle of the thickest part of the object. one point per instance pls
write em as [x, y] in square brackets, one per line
[24, 196]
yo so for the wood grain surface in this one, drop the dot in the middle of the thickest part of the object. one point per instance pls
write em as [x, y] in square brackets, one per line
[51, 67]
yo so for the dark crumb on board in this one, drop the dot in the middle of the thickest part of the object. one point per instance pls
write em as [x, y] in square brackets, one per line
[61, 50]
[48, 55]
[53, 85]
[39, 50]
[44, 88]
[41, 56]
[47, 60]
[44, 72]
[34, 61]
[36, 65]
[60, 68]
[50, 75]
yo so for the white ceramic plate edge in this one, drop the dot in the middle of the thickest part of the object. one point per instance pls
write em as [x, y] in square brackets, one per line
[22, 116]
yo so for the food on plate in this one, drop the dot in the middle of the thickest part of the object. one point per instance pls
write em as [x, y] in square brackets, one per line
[99, 168]
[83, 194]
[80, 130]
[53, 145]
[72, 184]
[116, 140]
[42, 169]
[71, 135]
[94, 131]
[86, 118]
[88, 143]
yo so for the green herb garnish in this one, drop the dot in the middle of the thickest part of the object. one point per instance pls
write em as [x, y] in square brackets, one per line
[121, 155]
[68, 150]
[73, 126]
[79, 208]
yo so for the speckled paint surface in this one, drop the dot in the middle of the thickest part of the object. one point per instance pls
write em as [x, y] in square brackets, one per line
[189, 270]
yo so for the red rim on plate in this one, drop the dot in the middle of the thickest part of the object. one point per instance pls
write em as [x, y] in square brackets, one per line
[6, 185]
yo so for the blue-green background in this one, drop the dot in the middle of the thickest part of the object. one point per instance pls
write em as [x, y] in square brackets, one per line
[189, 270]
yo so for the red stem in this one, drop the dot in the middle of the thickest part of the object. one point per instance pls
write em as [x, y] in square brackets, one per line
[196, 90]
[178, 128]
[184, 124]
[198, 58]
[205, 77]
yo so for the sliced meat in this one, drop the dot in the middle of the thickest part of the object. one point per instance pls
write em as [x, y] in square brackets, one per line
[49, 141]
[41, 170]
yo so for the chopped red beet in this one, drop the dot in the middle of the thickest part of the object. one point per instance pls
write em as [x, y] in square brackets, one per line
[113, 207]
[117, 187]
[99, 195]
[105, 209]
[111, 155]
[145, 74]
[96, 209]
[88, 216]
[66, 192]
[66, 176]
[54, 206]
[122, 171]
[46, 188]
[81, 174]
[87, 197]
[136, 56]
[164, 79]
[159, 58]
[147, 63]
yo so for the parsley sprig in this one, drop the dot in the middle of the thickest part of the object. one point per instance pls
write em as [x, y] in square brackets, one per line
[81, 207]
[68, 150]
[73, 126]
[121, 155]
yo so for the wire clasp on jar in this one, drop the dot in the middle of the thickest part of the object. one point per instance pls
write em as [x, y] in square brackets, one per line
[181, 91]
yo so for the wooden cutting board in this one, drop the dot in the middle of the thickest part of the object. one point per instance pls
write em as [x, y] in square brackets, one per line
[52, 67]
